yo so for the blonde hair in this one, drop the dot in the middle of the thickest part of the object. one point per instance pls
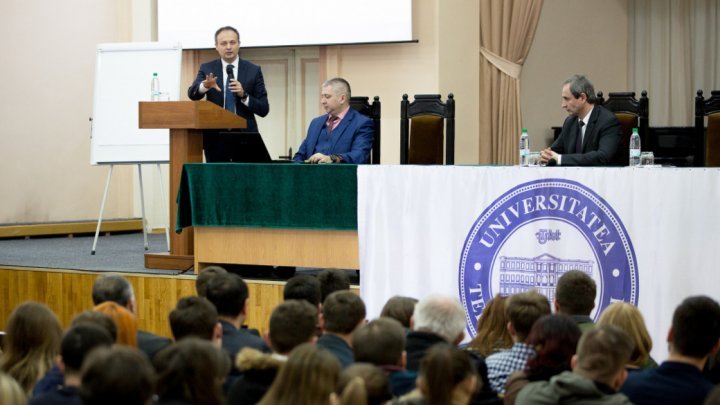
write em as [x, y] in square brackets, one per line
[10, 391]
[32, 341]
[492, 334]
[628, 318]
[124, 321]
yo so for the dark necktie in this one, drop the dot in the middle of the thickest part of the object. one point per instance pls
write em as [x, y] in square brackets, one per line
[330, 123]
[229, 96]
[579, 141]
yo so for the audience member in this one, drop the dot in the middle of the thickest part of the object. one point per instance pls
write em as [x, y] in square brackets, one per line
[204, 277]
[522, 311]
[309, 377]
[598, 372]
[575, 297]
[292, 323]
[32, 340]
[436, 319]
[332, 280]
[693, 336]
[712, 368]
[196, 317]
[230, 295]
[303, 287]
[628, 318]
[115, 288]
[447, 376]
[76, 344]
[116, 376]
[555, 339]
[343, 314]
[382, 343]
[125, 322]
[492, 332]
[191, 371]
[11, 393]
[400, 308]
[363, 384]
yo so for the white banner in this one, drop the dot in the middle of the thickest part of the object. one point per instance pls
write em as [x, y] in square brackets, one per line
[645, 235]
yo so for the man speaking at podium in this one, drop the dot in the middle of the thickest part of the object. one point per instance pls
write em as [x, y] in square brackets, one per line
[343, 135]
[234, 84]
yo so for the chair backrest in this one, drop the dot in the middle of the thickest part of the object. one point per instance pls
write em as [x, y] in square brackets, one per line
[364, 107]
[425, 146]
[707, 146]
[632, 113]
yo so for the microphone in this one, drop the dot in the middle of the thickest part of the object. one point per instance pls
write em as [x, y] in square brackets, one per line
[230, 73]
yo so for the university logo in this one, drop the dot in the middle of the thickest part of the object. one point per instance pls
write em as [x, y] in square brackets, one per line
[537, 231]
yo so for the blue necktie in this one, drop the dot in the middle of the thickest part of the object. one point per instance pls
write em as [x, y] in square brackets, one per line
[229, 96]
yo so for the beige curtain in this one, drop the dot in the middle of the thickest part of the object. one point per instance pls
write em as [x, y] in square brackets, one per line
[674, 50]
[507, 30]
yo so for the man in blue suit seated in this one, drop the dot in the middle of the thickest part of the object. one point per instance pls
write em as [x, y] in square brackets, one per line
[342, 135]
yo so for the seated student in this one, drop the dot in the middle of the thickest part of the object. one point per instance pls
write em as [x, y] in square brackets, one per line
[343, 135]
[191, 371]
[693, 336]
[332, 280]
[598, 372]
[119, 375]
[292, 323]
[400, 309]
[11, 393]
[627, 317]
[204, 277]
[436, 319]
[575, 297]
[363, 384]
[343, 314]
[195, 317]
[492, 332]
[522, 311]
[307, 288]
[77, 342]
[382, 343]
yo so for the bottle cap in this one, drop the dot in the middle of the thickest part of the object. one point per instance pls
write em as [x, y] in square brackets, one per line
[154, 74]
[635, 129]
[524, 130]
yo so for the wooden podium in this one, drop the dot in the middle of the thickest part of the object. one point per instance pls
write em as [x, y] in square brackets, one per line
[186, 120]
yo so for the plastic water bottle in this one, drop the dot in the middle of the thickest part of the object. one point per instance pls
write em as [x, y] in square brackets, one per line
[524, 147]
[635, 148]
[155, 88]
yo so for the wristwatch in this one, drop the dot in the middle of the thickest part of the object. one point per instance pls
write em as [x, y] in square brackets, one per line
[244, 97]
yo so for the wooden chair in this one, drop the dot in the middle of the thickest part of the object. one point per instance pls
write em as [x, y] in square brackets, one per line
[632, 113]
[364, 107]
[707, 145]
[423, 118]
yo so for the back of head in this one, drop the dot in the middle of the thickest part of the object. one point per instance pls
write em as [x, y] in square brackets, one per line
[492, 334]
[80, 340]
[575, 293]
[292, 323]
[228, 292]
[363, 384]
[555, 339]
[97, 319]
[11, 393]
[602, 353]
[32, 340]
[343, 311]
[193, 316]
[381, 342]
[204, 277]
[191, 371]
[303, 287]
[524, 309]
[580, 84]
[118, 375]
[112, 287]
[443, 316]
[309, 376]
[442, 370]
[125, 322]
[628, 318]
[332, 280]
[696, 326]
[399, 308]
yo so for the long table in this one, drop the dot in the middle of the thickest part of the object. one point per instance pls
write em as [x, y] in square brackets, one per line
[271, 214]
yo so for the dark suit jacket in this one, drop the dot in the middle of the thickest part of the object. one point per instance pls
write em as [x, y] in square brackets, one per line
[600, 144]
[251, 78]
[234, 340]
[151, 344]
[352, 139]
[338, 347]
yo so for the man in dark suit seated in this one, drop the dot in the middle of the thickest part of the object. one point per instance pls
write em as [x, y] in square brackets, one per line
[590, 135]
[342, 135]
[243, 93]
